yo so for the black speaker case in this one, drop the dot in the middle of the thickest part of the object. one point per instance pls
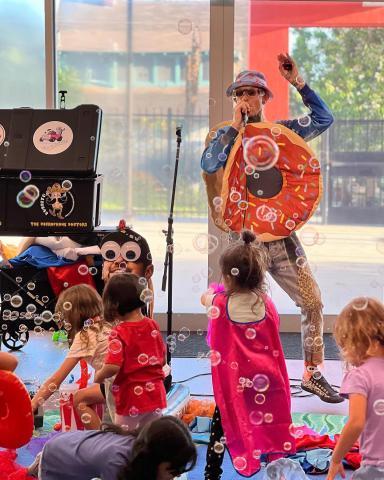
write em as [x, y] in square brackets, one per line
[80, 212]
[50, 142]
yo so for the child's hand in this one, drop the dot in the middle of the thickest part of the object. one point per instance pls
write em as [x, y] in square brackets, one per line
[334, 470]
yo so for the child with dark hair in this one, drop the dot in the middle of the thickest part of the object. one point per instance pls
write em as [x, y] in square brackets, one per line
[161, 450]
[249, 374]
[136, 355]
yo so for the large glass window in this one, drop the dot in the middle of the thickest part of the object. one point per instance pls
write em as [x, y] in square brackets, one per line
[22, 58]
[339, 50]
[145, 64]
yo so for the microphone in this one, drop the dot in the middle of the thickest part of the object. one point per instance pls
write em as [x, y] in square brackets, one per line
[179, 128]
[245, 118]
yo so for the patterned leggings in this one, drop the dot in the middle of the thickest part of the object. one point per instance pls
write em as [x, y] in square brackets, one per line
[215, 451]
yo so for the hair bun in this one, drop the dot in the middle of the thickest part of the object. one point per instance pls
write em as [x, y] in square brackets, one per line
[248, 236]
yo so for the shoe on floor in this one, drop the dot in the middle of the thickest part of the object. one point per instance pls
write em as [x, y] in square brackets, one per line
[318, 385]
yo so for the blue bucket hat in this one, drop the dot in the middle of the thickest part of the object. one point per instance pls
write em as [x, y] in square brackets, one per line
[250, 78]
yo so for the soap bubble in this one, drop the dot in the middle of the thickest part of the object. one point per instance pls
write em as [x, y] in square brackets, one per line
[213, 312]
[240, 463]
[25, 176]
[83, 269]
[28, 196]
[218, 448]
[67, 184]
[215, 357]
[142, 358]
[256, 417]
[138, 390]
[260, 382]
[184, 26]
[250, 333]
[16, 301]
[378, 407]
[205, 243]
[261, 152]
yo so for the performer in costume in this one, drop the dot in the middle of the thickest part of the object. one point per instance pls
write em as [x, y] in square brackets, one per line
[249, 376]
[250, 92]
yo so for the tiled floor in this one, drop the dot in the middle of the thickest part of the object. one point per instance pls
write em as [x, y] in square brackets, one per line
[40, 357]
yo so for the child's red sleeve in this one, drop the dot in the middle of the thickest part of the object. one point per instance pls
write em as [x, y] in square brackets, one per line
[115, 354]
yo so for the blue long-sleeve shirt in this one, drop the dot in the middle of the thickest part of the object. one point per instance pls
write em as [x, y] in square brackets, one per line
[216, 154]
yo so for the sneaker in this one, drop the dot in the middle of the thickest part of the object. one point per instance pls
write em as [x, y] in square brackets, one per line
[318, 385]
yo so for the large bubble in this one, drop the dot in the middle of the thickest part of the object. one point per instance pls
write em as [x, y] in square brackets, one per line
[261, 152]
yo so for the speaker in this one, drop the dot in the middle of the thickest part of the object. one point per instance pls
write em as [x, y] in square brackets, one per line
[50, 141]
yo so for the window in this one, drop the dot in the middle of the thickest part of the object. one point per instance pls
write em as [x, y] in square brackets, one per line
[142, 41]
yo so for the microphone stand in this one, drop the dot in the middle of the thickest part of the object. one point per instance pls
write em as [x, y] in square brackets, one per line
[167, 281]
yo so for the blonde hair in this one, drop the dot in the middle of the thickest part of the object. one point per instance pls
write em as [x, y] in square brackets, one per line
[76, 305]
[359, 326]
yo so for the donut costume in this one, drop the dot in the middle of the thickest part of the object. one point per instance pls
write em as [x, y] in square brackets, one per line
[272, 202]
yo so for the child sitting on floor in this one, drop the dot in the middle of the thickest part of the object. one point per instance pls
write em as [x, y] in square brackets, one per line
[162, 450]
[135, 355]
[359, 332]
[80, 309]
[249, 375]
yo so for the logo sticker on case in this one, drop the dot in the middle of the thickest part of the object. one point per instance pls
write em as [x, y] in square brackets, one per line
[53, 137]
[58, 200]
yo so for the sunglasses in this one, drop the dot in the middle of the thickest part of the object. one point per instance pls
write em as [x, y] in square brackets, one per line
[251, 92]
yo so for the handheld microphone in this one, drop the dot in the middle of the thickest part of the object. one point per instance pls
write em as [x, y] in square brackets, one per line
[245, 118]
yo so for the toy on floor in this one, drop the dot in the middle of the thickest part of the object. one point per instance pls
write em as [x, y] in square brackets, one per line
[16, 416]
[60, 336]
[198, 408]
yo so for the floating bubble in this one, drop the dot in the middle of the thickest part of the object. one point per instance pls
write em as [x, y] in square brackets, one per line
[290, 224]
[234, 271]
[261, 152]
[309, 236]
[16, 301]
[143, 281]
[146, 295]
[46, 316]
[287, 446]
[133, 412]
[28, 196]
[235, 196]
[243, 205]
[38, 321]
[308, 342]
[199, 331]
[213, 312]
[142, 358]
[215, 357]
[234, 365]
[86, 418]
[67, 184]
[240, 463]
[31, 308]
[317, 375]
[217, 201]
[155, 333]
[23, 328]
[45, 299]
[115, 346]
[259, 398]
[205, 243]
[25, 176]
[38, 330]
[301, 262]
[256, 417]
[314, 163]
[360, 304]
[218, 448]
[52, 387]
[18, 279]
[268, 418]
[93, 271]
[83, 269]
[378, 407]
[222, 157]
[185, 331]
[184, 26]
[275, 131]
[149, 386]
[260, 382]
[318, 341]
[31, 286]
[250, 333]
[7, 297]
[67, 306]
[138, 390]
[249, 170]
[304, 121]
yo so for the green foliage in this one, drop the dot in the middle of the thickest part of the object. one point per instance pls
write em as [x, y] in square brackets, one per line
[68, 79]
[345, 66]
